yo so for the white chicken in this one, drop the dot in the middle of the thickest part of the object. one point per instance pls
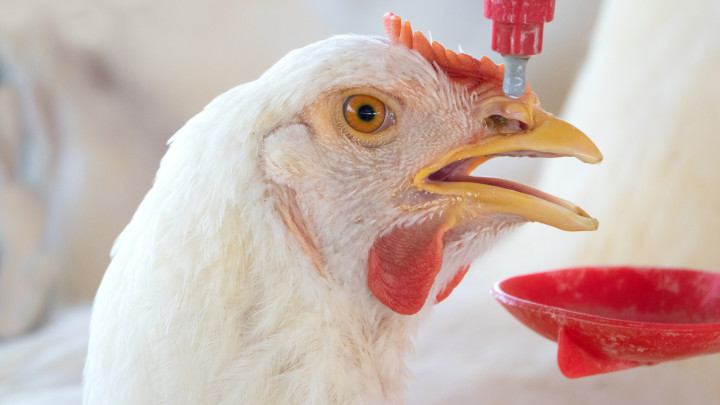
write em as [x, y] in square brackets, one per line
[302, 225]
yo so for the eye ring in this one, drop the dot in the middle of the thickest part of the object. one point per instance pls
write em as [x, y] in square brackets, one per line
[367, 114]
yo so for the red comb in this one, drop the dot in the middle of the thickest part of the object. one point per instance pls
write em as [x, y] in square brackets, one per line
[460, 67]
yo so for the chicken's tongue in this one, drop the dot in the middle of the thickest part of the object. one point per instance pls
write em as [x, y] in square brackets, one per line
[403, 264]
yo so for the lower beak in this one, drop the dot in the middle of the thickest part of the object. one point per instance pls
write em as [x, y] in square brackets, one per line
[548, 137]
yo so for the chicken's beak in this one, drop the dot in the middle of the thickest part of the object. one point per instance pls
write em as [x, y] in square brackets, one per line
[547, 137]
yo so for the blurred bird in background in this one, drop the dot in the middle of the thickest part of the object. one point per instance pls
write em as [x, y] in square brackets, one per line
[107, 84]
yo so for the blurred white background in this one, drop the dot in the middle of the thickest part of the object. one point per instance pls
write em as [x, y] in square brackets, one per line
[90, 91]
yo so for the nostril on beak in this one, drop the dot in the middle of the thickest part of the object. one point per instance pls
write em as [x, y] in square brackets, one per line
[498, 123]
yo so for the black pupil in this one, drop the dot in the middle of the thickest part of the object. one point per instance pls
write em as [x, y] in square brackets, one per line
[366, 112]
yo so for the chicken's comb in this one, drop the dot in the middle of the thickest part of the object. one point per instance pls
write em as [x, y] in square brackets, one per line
[460, 67]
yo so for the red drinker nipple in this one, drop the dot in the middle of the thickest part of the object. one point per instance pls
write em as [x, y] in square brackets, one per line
[517, 34]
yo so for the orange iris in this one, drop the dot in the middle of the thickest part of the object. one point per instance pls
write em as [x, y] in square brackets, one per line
[364, 113]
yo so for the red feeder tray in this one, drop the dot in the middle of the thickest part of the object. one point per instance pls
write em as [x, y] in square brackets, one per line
[613, 318]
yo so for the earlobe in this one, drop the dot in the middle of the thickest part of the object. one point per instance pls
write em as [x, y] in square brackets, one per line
[283, 151]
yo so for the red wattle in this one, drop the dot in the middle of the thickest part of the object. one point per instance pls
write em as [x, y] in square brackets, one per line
[403, 264]
[457, 278]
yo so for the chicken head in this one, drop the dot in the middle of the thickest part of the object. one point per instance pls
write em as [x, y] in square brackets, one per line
[378, 165]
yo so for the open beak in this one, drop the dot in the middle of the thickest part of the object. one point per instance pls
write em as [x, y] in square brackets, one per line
[548, 137]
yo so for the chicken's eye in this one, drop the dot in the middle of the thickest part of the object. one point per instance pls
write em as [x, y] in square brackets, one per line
[367, 114]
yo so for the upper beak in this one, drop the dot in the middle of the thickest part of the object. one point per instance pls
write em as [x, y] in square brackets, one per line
[547, 137]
